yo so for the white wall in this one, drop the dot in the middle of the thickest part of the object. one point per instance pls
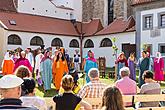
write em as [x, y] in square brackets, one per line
[47, 38]
[145, 34]
[108, 51]
[99, 51]
[46, 8]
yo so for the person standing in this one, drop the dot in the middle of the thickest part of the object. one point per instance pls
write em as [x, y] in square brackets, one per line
[151, 63]
[23, 61]
[132, 66]
[77, 60]
[90, 63]
[46, 71]
[67, 58]
[143, 64]
[38, 59]
[59, 68]
[121, 62]
[8, 64]
[158, 67]
[29, 56]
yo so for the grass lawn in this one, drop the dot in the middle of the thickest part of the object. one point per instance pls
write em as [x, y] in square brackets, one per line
[52, 92]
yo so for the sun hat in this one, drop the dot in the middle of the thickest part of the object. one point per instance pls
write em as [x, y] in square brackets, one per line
[10, 81]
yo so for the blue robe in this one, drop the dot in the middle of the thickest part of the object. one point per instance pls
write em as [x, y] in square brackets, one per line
[46, 73]
[143, 64]
[88, 65]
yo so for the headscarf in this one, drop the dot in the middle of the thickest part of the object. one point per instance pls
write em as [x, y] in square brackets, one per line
[45, 56]
[6, 57]
[21, 58]
[92, 59]
[158, 55]
[124, 60]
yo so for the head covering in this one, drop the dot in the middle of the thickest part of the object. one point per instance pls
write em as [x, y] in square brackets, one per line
[45, 56]
[158, 55]
[7, 57]
[10, 81]
[92, 59]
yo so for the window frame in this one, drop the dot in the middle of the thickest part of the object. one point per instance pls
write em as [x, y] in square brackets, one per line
[74, 40]
[104, 39]
[57, 45]
[160, 20]
[37, 37]
[159, 48]
[13, 43]
[87, 44]
[144, 21]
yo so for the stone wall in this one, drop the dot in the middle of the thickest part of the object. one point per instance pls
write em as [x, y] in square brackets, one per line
[99, 9]
[93, 9]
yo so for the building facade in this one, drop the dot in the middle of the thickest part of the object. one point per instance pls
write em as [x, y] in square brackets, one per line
[152, 30]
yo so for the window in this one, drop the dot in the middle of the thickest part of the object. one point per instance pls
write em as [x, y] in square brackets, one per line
[14, 40]
[12, 22]
[110, 11]
[106, 42]
[162, 49]
[89, 44]
[74, 43]
[36, 41]
[57, 42]
[147, 22]
[161, 20]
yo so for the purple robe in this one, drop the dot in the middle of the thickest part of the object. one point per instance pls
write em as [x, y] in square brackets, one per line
[24, 62]
[158, 69]
[131, 66]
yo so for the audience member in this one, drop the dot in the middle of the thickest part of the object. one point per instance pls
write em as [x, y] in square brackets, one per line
[126, 85]
[76, 86]
[29, 99]
[23, 72]
[10, 87]
[112, 99]
[68, 100]
[94, 88]
[150, 87]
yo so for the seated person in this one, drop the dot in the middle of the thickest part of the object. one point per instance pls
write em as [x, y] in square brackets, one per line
[23, 72]
[10, 88]
[68, 100]
[126, 85]
[112, 99]
[29, 98]
[150, 87]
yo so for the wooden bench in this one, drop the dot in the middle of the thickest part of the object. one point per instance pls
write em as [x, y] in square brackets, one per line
[50, 103]
[134, 99]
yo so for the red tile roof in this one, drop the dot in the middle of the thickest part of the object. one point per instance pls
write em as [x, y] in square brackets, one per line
[7, 5]
[118, 26]
[91, 27]
[138, 2]
[41, 24]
